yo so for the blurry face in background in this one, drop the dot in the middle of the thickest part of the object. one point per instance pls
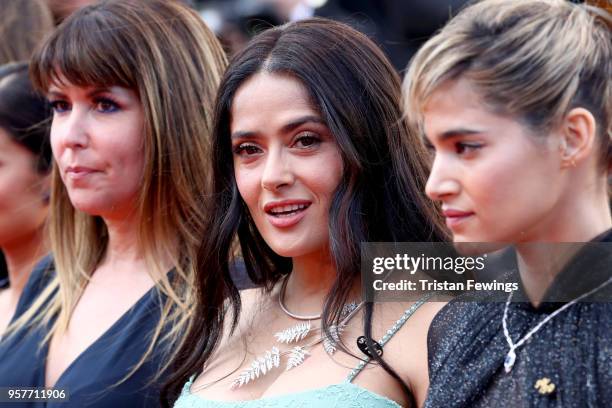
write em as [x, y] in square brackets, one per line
[497, 181]
[286, 162]
[23, 192]
[97, 141]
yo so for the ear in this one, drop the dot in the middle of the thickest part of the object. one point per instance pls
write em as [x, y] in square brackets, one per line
[578, 137]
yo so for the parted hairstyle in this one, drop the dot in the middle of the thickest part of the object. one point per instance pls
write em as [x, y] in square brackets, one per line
[532, 59]
[23, 26]
[380, 196]
[25, 114]
[165, 53]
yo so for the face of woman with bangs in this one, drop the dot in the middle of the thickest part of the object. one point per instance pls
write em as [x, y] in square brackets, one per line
[97, 137]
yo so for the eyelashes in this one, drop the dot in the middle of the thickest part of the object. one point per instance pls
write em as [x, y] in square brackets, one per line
[307, 140]
[246, 149]
[304, 141]
[58, 106]
[460, 147]
[102, 104]
[467, 147]
[106, 105]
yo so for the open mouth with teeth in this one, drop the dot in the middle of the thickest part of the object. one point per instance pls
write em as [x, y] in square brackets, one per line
[287, 210]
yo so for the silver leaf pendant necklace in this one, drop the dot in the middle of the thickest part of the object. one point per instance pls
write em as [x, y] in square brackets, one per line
[271, 359]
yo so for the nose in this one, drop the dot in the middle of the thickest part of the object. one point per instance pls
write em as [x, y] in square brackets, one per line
[442, 182]
[277, 172]
[70, 129]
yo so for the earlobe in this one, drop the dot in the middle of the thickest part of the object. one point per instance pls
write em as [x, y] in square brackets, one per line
[578, 137]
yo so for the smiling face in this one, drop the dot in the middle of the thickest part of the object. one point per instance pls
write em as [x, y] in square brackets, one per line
[496, 180]
[286, 163]
[23, 206]
[97, 141]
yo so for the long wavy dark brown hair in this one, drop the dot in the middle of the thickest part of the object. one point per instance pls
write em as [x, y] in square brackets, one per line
[380, 196]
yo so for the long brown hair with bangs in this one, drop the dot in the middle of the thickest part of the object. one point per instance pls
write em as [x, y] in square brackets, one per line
[155, 48]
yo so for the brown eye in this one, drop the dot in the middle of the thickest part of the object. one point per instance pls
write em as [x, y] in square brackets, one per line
[307, 140]
[106, 105]
[59, 106]
[246, 149]
[465, 148]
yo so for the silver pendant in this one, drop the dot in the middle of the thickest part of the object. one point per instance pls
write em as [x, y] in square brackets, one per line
[297, 357]
[330, 342]
[509, 360]
[293, 334]
[260, 366]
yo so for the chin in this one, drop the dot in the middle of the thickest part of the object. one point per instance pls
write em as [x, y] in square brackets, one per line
[87, 208]
[287, 252]
[288, 249]
[474, 248]
[89, 205]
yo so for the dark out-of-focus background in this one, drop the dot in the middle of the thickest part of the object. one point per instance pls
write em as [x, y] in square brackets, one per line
[398, 26]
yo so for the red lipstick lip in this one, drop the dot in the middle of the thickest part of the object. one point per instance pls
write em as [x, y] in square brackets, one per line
[285, 221]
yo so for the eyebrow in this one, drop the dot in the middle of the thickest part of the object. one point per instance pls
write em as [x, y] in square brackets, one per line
[452, 133]
[90, 94]
[285, 129]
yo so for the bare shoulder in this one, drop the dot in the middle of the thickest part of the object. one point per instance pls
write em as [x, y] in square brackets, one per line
[407, 350]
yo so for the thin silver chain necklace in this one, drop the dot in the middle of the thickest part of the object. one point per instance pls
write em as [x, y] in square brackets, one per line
[511, 356]
[281, 303]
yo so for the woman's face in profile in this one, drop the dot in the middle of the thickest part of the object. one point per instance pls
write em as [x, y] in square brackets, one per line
[286, 163]
[497, 182]
[23, 192]
[97, 139]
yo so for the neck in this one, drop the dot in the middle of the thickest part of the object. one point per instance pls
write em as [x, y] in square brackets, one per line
[539, 263]
[123, 243]
[309, 283]
[21, 256]
[544, 255]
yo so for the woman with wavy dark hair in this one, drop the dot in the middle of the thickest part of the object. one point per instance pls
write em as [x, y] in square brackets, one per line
[311, 157]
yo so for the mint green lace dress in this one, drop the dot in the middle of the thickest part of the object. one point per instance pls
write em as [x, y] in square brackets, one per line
[342, 395]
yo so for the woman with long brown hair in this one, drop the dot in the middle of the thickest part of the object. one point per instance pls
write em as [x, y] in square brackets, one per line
[311, 157]
[132, 85]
